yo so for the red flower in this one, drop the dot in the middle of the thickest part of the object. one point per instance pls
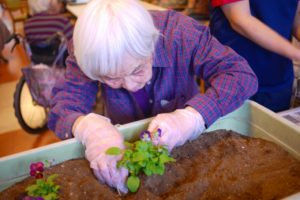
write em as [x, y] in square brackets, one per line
[36, 170]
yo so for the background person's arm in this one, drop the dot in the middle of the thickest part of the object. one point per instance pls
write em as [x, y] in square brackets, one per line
[241, 20]
[296, 28]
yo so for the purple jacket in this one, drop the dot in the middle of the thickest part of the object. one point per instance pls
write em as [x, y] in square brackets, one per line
[185, 50]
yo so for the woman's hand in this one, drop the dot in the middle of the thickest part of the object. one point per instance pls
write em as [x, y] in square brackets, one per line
[98, 134]
[177, 127]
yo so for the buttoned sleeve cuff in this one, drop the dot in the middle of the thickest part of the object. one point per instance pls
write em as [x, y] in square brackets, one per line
[66, 125]
[207, 107]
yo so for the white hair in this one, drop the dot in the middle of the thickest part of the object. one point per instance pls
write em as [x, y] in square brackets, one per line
[37, 6]
[107, 30]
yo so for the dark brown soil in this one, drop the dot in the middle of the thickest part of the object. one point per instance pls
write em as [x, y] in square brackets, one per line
[219, 165]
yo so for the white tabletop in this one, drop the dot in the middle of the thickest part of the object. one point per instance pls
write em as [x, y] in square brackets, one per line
[77, 9]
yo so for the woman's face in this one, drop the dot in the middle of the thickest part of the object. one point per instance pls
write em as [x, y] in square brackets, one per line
[133, 76]
[56, 7]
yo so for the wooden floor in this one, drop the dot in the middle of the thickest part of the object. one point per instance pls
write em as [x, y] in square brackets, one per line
[18, 140]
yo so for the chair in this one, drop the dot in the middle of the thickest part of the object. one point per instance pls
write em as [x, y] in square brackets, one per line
[17, 10]
[171, 4]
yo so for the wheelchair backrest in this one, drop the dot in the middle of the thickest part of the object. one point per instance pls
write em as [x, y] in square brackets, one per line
[45, 52]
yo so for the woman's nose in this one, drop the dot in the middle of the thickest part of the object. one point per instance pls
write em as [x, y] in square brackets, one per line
[116, 84]
[128, 84]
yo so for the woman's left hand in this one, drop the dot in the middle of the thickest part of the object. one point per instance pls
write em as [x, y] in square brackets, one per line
[177, 127]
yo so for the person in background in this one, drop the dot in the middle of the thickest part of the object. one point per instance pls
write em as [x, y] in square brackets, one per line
[145, 64]
[197, 9]
[261, 31]
[46, 20]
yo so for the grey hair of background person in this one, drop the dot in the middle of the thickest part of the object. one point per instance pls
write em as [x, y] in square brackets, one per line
[109, 30]
[37, 6]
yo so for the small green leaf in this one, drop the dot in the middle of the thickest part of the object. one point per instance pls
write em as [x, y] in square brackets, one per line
[128, 144]
[147, 171]
[31, 188]
[51, 178]
[113, 151]
[160, 169]
[127, 154]
[142, 163]
[141, 145]
[139, 156]
[130, 166]
[164, 158]
[50, 196]
[40, 182]
[133, 183]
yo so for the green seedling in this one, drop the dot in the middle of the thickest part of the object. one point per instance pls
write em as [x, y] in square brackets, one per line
[141, 157]
[46, 189]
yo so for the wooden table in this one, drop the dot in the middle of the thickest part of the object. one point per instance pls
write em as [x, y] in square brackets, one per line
[77, 9]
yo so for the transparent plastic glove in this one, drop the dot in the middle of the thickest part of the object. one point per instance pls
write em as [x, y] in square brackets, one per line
[177, 127]
[98, 134]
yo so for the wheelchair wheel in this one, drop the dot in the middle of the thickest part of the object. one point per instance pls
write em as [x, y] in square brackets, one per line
[31, 116]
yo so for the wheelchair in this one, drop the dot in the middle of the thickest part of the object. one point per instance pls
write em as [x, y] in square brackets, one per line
[31, 104]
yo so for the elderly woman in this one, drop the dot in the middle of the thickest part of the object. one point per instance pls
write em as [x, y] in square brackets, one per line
[146, 63]
[46, 20]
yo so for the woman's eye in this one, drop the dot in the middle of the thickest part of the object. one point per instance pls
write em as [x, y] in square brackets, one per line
[138, 72]
[111, 79]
